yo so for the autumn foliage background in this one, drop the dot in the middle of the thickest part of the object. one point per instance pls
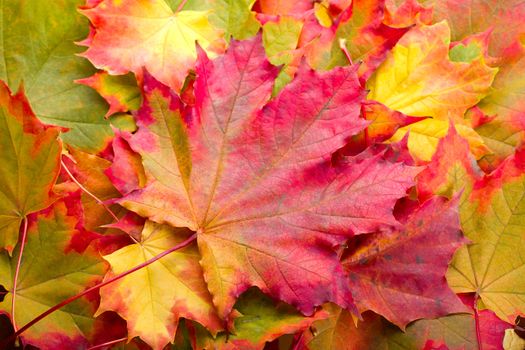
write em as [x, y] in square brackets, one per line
[266, 174]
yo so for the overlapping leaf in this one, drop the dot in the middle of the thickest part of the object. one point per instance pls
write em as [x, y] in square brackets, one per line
[454, 332]
[30, 162]
[505, 106]
[126, 172]
[52, 272]
[88, 170]
[364, 34]
[38, 49]
[400, 275]
[419, 79]
[504, 18]
[384, 121]
[407, 13]
[133, 34]
[493, 218]
[153, 299]
[120, 92]
[281, 42]
[260, 320]
[490, 217]
[235, 18]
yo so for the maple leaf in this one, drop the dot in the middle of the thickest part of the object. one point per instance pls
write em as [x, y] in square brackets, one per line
[154, 298]
[235, 18]
[260, 320]
[51, 272]
[430, 84]
[453, 332]
[331, 333]
[254, 178]
[281, 41]
[120, 92]
[492, 218]
[452, 170]
[296, 188]
[39, 51]
[133, 34]
[505, 18]
[30, 158]
[399, 275]
[505, 102]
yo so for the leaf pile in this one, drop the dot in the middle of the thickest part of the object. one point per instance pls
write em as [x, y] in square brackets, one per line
[329, 174]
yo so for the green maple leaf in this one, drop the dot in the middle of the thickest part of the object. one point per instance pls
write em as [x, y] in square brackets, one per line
[51, 272]
[30, 162]
[38, 49]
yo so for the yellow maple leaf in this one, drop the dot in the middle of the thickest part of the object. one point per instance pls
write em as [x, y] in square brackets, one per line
[418, 78]
[492, 216]
[133, 34]
[155, 297]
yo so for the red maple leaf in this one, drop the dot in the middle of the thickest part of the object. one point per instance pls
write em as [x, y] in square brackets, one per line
[254, 178]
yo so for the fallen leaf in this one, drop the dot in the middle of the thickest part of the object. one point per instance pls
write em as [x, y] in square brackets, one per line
[418, 78]
[399, 275]
[120, 92]
[30, 158]
[154, 298]
[38, 49]
[51, 273]
[133, 34]
[235, 18]
[492, 218]
[453, 332]
[504, 17]
[260, 320]
[361, 29]
[254, 179]
[505, 102]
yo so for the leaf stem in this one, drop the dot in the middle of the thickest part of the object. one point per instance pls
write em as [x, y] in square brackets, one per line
[98, 200]
[69, 300]
[342, 46]
[181, 5]
[100, 346]
[476, 320]
[296, 345]
[17, 272]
